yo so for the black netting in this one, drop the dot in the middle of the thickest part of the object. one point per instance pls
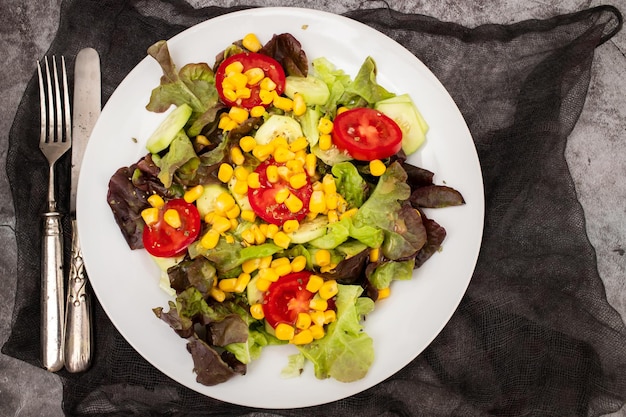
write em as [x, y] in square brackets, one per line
[534, 335]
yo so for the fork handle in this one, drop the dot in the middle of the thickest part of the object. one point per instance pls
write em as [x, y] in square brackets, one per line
[78, 337]
[52, 302]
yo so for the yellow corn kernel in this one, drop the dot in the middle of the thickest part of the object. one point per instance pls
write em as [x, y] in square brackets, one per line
[172, 218]
[227, 284]
[257, 111]
[253, 180]
[236, 155]
[310, 164]
[262, 152]
[325, 126]
[384, 293]
[210, 239]
[202, 140]
[328, 268]
[265, 95]
[293, 203]
[248, 236]
[250, 265]
[256, 311]
[299, 105]
[193, 193]
[284, 331]
[229, 238]
[268, 274]
[317, 331]
[224, 202]
[315, 283]
[266, 261]
[283, 103]
[217, 294]
[263, 228]
[317, 202]
[329, 289]
[225, 172]
[374, 254]
[240, 187]
[243, 92]
[377, 167]
[248, 215]
[229, 93]
[272, 229]
[247, 143]
[342, 109]
[298, 144]
[283, 270]
[279, 262]
[259, 236]
[329, 185]
[283, 172]
[318, 304]
[263, 284]
[242, 282]
[233, 213]
[329, 316]
[272, 173]
[333, 217]
[208, 218]
[238, 114]
[281, 239]
[241, 173]
[238, 80]
[235, 67]
[282, 195]
[298, 263]
[150, 215]
[349, 213]
[282, 154]
[303, 321]
[255, 75]
[332, 201]
[317, 317]
[268, 84]
[220, 224]
[156, 201]
[291, 226]
[251, 42]
[298, 181]
[302, 337]
[325, 142]
[342, 204]
[226, 123]
[322, 257]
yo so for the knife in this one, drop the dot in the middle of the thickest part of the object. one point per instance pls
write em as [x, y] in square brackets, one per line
[78, 326]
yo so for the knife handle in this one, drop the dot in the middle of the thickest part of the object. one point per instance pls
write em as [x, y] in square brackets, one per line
[78, 336]
[52, 292]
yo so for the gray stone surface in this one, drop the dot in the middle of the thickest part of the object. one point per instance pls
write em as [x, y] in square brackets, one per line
[595, 154]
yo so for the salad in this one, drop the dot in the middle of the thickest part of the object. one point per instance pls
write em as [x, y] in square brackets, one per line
[276, 198]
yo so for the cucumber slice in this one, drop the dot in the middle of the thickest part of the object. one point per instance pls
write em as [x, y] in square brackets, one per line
[309, 121]
[169, 128]
[309, 230]
[278, 125]
[254, 294]
[314, 90]
[404, 112]
[240, 199]
[206, 202]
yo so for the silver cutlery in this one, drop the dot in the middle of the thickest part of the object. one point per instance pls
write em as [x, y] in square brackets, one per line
[55, 140]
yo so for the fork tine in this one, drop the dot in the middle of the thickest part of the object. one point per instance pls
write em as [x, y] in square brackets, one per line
[42, 105]
[66, 104]
[50, 136]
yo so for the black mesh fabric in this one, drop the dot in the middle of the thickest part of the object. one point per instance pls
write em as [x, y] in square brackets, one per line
[534, 334]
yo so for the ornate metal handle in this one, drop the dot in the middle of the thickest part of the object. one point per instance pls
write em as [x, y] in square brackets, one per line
[78, 339]
[52, 293]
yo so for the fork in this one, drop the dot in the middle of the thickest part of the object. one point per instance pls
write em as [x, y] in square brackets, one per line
[55, 141]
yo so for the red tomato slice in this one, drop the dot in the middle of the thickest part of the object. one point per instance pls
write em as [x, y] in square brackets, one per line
[366, 134]
[287, 297]
[164, 241]
[270, 67]
[263, 199]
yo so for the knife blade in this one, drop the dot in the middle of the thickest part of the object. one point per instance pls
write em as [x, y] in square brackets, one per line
[86, 110]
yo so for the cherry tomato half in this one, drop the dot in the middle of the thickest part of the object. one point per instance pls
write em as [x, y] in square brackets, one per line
[287, 297]
[163, 240]
[366, 134]
[263, 199]
[270, 67]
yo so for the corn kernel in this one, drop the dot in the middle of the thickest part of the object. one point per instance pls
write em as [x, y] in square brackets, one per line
[272, 173]
[377, 167]
[283, 270]
[322, 257]
[329, 185]
[299, 105]
[317, 331]
[250, 265]
[315, 283]
[329, 316]
[229, 239]
[172, 218]
[268, 274]
[229, 93]
[226, 123]
[298, 263]
[265, 95]
[349, 213]
[227, 284]
[262, 152]
[328, 268]
[259, 237]
[279, 261]
[266, 261]
[238, 114]
[284, 331]
[242, 282]
[268, 84]
[302, 337]
[193, 193]
[310, 164]
[241, 173]
[318, 304]
[248, 215]
[293, 203]
[325, 142]
[283, 103]
[225, 172]
[221, 224]
[202, 140]
[217, 294]
[303, 321]
[374, 254]
[317, 202]
[332, 201]
[295, 166]
[208, 218]
[255, 75]
[282, 195]
[272, 229]
[342, 109]
[317, 317]
[263, 284]
[257, 111]
[282, 154]
[240, 187]
[329, 289]
[333, 217]
[298, 144]
[251, 42]
[150, 215]
[248, 236]
[247, 143]
[244, 92]
[156, 201]
[210, 239]
[298, 181]
[384, 293]
[236, 155]
[256, 311]
[233, 213]
[325, 126]
[235, 67]
[283, 172]
[253, 180]
[290, 226]
[224, 202]
[281, 239]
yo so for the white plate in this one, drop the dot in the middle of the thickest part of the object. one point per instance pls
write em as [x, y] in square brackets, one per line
[126, 282]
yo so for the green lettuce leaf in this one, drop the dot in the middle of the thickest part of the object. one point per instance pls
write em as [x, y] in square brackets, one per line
[179, 153]
[350, 184]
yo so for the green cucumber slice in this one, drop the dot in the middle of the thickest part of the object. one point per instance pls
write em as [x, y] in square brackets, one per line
[169, 128]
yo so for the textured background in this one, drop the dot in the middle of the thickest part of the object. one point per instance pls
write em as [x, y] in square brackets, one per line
[594, 154]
